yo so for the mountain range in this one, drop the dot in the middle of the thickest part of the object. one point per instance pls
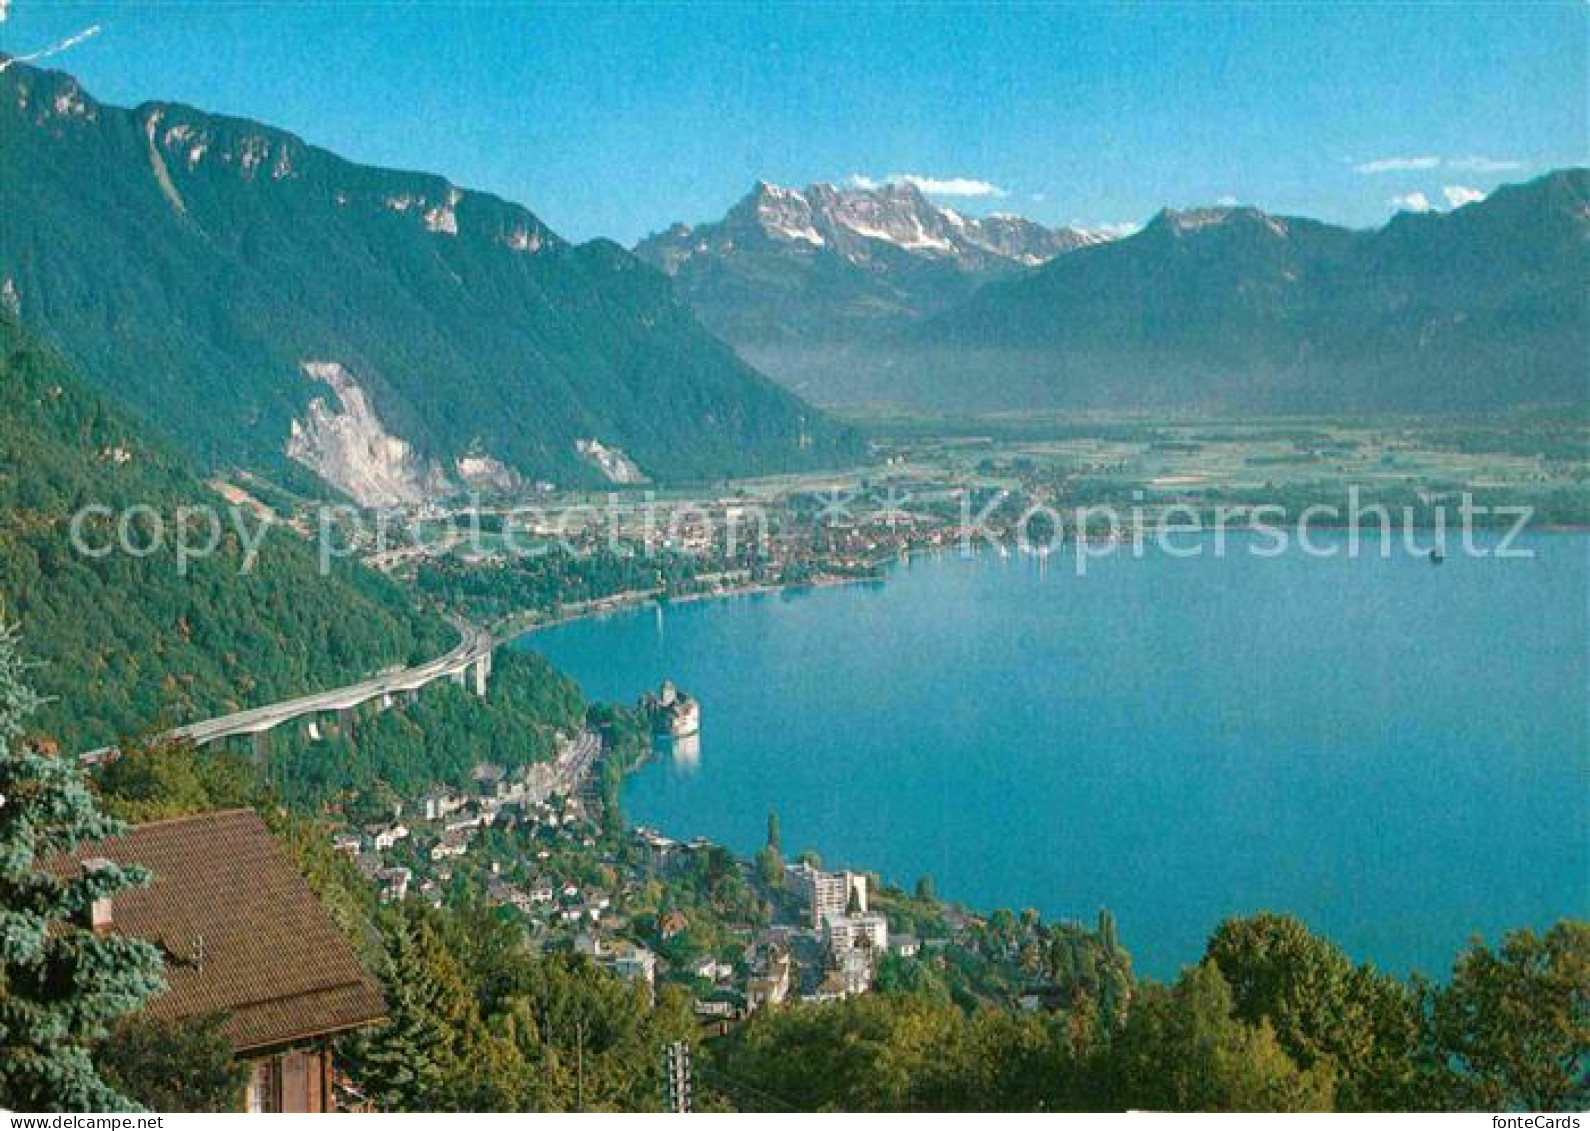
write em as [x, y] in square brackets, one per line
[1236, 309]
[1225, 309]
[797, 279]
[394, 338]
[270, 304]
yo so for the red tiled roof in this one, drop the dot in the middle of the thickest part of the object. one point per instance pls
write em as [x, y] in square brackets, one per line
[243, 934]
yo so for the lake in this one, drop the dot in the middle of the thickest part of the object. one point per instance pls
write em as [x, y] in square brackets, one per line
[1396, 751]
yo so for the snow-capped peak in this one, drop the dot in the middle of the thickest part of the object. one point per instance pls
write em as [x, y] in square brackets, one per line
[861, 223]
[1197, 219]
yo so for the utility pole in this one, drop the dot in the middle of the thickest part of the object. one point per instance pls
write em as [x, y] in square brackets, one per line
[676, 1073]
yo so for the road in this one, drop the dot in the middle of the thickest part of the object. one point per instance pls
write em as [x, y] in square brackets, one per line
[576, 763]
[474, 643]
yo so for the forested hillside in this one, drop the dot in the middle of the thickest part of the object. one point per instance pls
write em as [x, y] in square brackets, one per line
[194, 265]
[126, 643]
[1273, 1017]
[438, 738]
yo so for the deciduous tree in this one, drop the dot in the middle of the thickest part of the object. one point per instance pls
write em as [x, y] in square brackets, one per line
[173, 1066]
[1183, 1050]
[1513, 1026]
[1323, 1008]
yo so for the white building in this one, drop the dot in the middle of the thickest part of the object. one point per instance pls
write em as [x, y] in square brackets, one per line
[394, 884]
[855, 968]
[452, 844]
[385, 837]
[772, 988]
[438, 803]
[830, 893]
[712, 970]
[633, 962]
[844, 933]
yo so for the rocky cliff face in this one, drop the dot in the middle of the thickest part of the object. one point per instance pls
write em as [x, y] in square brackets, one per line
[611, 462]
[866, 227]
[226, 630]
[350, 449]
[189, 263]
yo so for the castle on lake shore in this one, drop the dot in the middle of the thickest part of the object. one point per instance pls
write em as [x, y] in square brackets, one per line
[671, 711]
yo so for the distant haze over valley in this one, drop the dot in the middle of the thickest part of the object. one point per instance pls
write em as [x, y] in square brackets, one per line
[857, 297]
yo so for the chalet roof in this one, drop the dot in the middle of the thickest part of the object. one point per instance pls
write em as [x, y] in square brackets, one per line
[242, 933]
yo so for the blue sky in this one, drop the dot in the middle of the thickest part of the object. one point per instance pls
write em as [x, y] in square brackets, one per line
[613, 119]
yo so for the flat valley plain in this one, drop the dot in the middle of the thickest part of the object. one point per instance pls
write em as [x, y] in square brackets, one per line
[1539, 458]
[941, 468]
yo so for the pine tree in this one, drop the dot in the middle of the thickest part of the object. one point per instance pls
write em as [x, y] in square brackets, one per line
[428, 1055]
[399, 1065]
[770, 861]
[61, 984]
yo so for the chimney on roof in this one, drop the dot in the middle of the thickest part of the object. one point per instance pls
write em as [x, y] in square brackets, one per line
[100, 916]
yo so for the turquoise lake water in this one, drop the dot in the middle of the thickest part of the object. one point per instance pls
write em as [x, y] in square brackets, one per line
[1396, 751]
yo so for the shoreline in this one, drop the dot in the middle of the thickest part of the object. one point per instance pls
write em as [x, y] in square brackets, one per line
[639, 599]
[631, 600]
[985, 902]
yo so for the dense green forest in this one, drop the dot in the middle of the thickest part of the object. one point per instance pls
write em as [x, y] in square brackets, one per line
[127, 643]
[435, 739]
[543, 582]
[557, 578]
